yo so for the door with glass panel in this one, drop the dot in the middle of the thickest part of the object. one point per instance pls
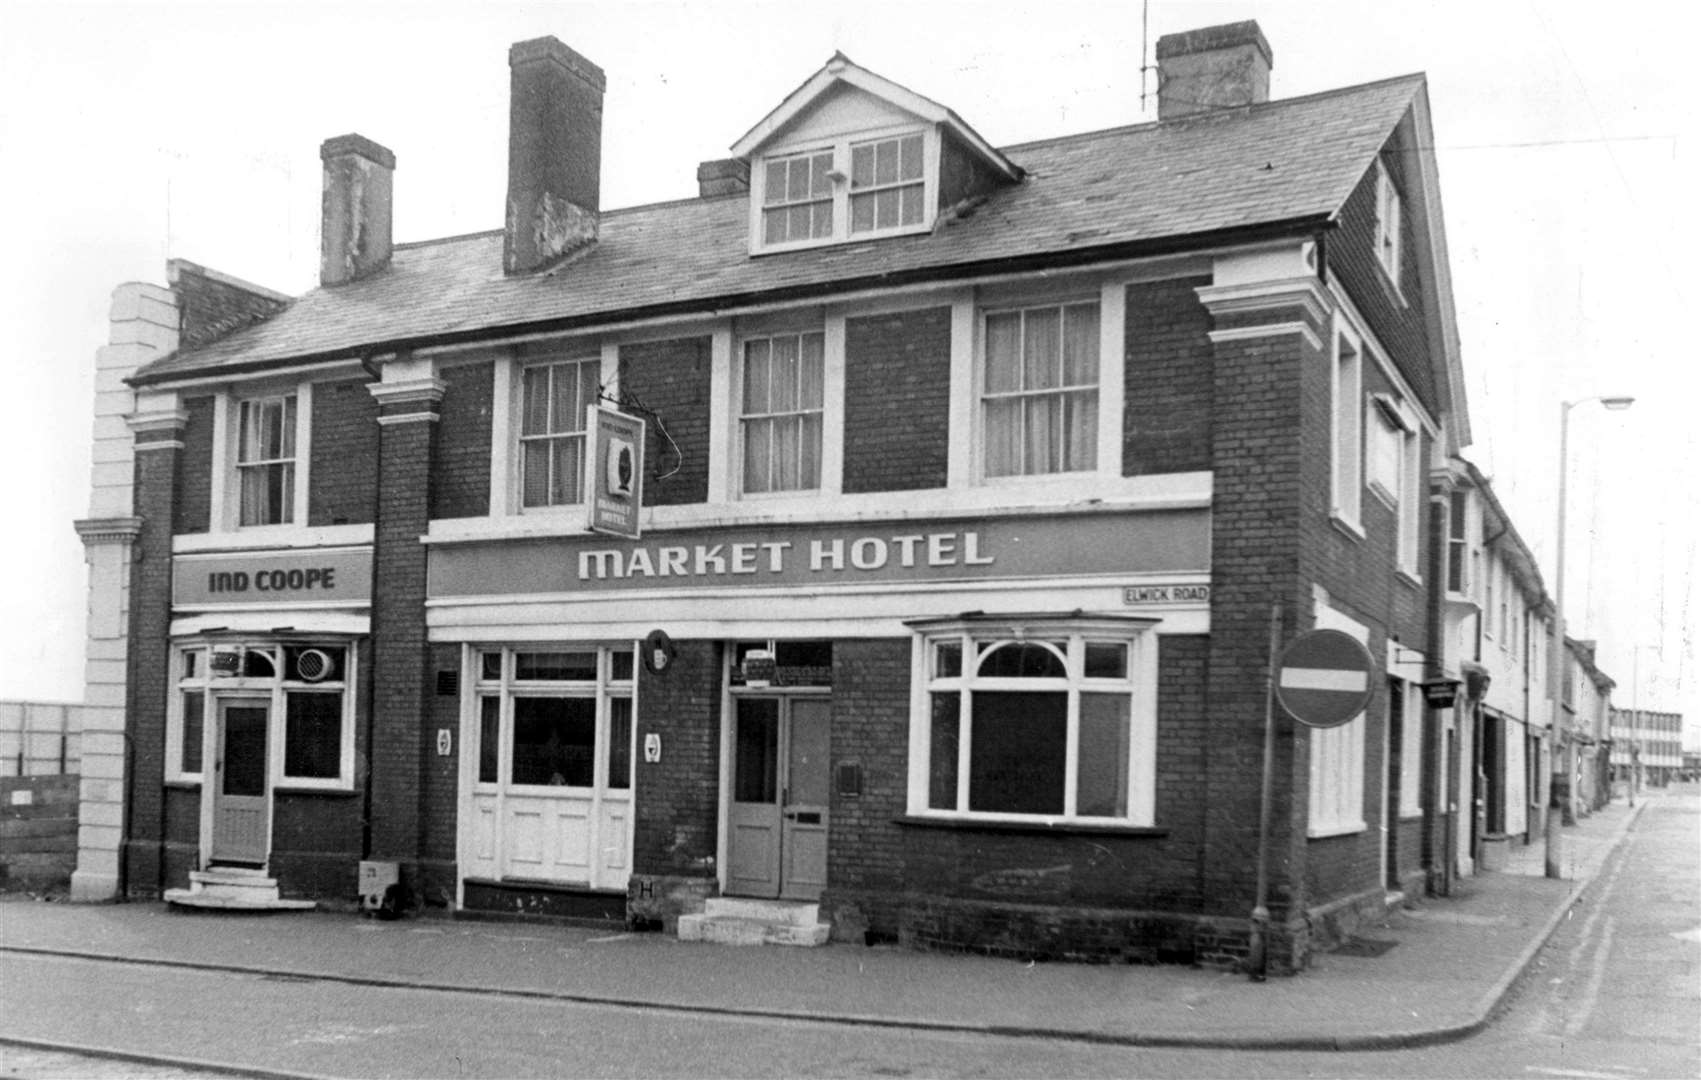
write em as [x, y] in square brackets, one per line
[778, 818]
[551, 790]
[242, 804]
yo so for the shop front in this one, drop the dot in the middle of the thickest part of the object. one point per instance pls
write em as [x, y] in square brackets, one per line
[804, 711]
[262, 767]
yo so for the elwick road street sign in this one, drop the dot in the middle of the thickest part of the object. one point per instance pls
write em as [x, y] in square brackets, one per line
[1325, 678]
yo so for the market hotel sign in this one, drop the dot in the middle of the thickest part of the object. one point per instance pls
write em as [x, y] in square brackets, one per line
[1175, 541]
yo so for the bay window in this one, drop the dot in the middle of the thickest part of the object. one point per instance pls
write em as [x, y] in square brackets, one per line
[1053, 722]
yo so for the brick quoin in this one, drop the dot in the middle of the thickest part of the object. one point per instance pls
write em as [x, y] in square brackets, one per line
[460, 481]
[671, 378]
[897, 400]
[342, 474]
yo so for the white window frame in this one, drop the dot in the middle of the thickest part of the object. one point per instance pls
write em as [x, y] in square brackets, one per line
[741, 418]
[604, 688]
[1385, 446]
[579, 361]
[1458, 544]
[1140, 684]
[276, 689]
[226, 466]
[1346, 440]
[507, 421]
[1335, 798]
[840, 177]
[980, 396]
[1388, 224]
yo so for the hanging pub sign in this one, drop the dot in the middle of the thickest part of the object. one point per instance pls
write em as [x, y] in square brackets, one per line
[614, 471]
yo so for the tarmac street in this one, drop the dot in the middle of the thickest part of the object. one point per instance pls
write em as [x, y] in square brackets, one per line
[1518, 976]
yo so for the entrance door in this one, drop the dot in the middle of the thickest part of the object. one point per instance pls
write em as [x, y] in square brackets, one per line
[777, 827]
[242, 805]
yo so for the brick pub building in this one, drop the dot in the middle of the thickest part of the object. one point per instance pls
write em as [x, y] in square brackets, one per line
[970, 478]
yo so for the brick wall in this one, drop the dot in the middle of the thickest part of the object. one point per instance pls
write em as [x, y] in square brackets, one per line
[460, 486]
[1167, 377]
[870, 730]
[316, 843]
[342, 471]
[193, 512]
[676, 800]
[1401, 327]
[672, 378]
[149, 664]
[897, 399]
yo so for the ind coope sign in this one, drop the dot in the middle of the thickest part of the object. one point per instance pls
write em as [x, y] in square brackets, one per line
[323, 575]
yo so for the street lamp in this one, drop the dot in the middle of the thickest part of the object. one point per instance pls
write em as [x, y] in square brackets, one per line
[1556, 648]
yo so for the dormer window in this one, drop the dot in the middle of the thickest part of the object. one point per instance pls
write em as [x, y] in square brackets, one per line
[851, 156]
[851, 189]
[797, 198]
[887, 184]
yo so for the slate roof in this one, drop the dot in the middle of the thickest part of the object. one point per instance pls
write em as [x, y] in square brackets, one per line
[1124, 191]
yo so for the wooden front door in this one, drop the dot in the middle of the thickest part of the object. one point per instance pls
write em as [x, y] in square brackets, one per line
[778, 819]
[242, 801]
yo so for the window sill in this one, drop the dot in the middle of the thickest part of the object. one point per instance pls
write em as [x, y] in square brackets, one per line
[921, 821]
[1409, 578]
[184, 783]
[1350, 528]
[308, 789]
[1327, 831]
[759, 248]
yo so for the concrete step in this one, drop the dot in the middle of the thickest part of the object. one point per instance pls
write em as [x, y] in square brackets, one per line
[732, 930]
[233, 889]
[216, 901]
[793, 912]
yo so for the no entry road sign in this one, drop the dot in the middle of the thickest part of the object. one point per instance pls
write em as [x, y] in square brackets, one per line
[1325, 678]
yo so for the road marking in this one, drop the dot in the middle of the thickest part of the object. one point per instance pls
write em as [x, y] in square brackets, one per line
[1597, 974]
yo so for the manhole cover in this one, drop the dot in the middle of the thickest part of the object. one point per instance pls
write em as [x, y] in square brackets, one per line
[1360, 946]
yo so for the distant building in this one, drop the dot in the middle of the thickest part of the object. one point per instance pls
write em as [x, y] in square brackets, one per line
[1649, 741]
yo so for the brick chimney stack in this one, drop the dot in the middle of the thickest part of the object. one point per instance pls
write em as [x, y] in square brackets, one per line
[554, 154]
[354, 235]
[1214, 67]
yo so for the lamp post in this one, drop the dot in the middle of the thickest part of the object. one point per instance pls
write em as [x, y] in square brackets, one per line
[1556, 648]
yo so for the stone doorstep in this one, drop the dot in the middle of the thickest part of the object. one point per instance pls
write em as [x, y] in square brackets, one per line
[233, 889]
[736, 921]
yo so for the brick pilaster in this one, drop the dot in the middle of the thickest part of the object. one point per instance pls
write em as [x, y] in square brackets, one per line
[408, 402]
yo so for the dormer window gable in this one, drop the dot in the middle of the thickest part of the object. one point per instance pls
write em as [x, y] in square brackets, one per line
[851, 156]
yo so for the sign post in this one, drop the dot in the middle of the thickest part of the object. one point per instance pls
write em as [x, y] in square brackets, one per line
[1323, 680]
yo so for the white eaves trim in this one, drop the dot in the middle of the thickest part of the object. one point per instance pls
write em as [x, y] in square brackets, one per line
[842, 69]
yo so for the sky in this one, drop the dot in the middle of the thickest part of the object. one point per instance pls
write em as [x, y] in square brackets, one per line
[1566, 135]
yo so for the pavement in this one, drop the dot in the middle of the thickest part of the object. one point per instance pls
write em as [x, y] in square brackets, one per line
[1451, 964]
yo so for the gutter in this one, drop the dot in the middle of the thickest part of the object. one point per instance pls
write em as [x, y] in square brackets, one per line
[1306, 227]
